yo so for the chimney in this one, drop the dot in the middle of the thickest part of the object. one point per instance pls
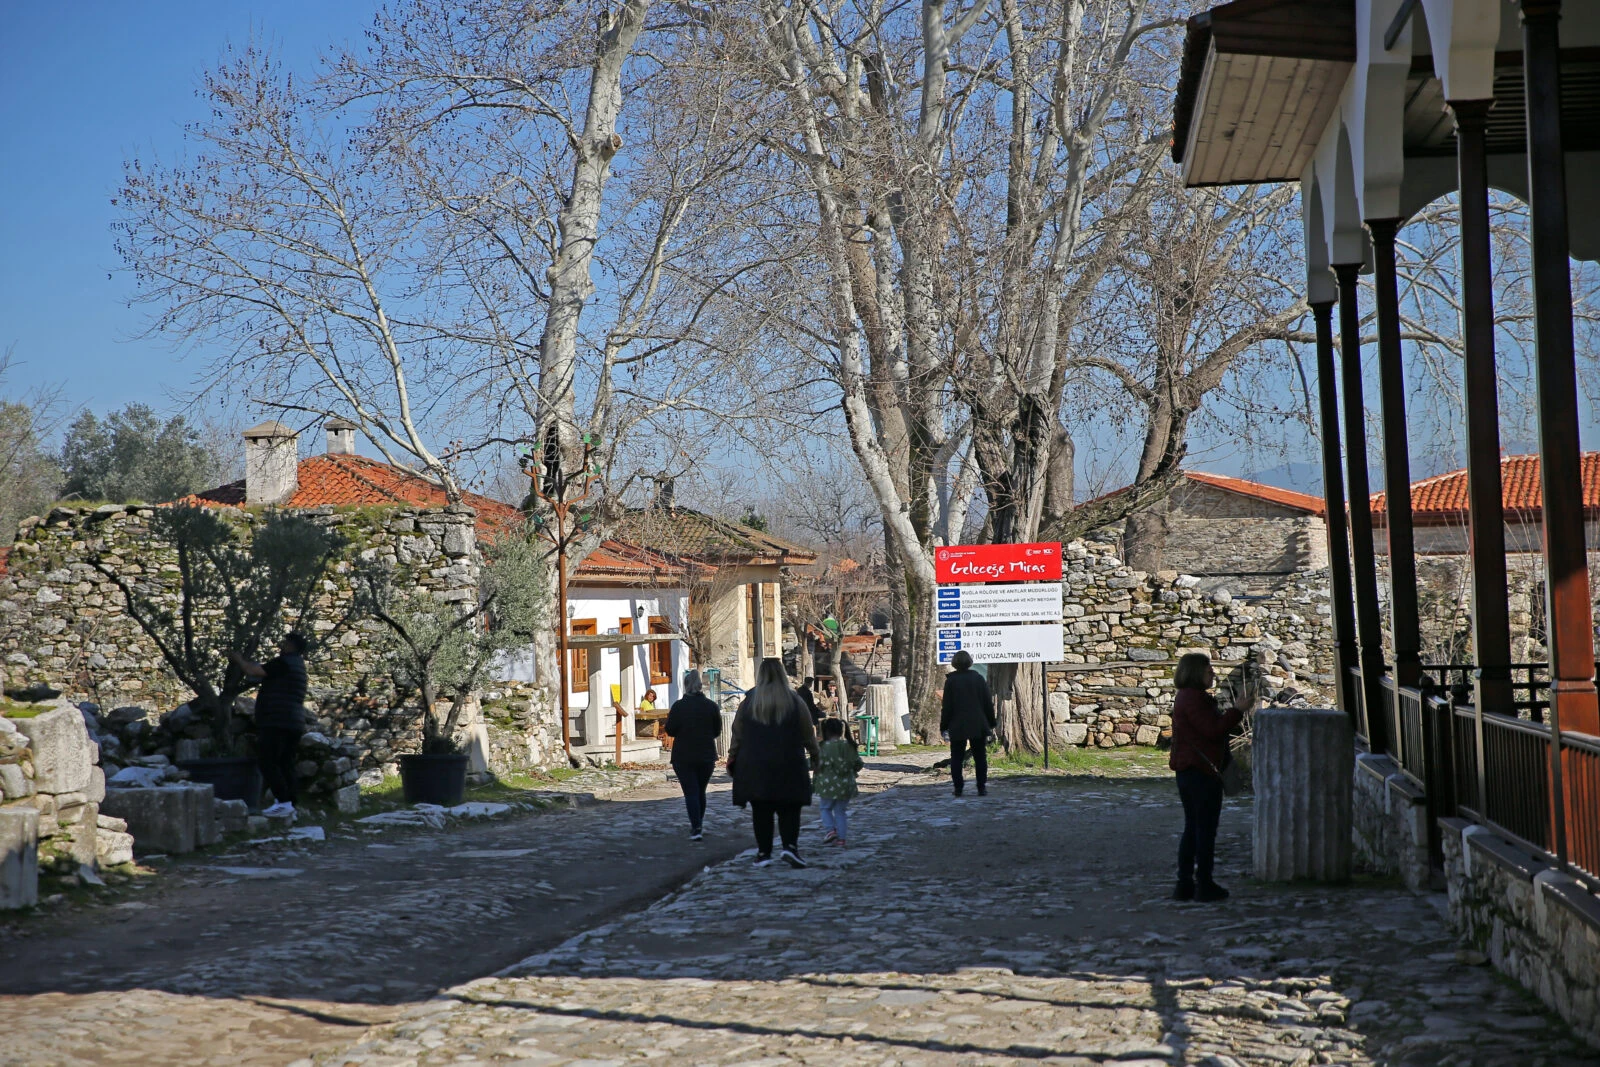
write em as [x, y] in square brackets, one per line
[664, 491]
[341, 437]
[271, 463]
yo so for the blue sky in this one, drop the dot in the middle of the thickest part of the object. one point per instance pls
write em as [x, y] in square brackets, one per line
[83, 86]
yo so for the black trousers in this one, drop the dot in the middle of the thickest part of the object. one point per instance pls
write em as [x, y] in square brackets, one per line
[1201, 794]
[693, 779]
[276, 748]
[980, 761]
[788, 815]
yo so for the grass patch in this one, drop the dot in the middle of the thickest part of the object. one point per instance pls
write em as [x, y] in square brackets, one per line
[1127, 762]
[389, 793]
[12, 710]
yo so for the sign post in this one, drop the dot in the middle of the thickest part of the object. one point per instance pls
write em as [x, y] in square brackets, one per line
[1017, 620]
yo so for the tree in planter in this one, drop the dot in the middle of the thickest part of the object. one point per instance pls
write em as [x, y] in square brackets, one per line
[234, 595]
[441, 650]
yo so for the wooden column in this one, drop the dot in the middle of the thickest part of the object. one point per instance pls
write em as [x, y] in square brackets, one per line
[1344, 620]
[1403, 618]
[1363, 560]
[1486, 531]
[1573, 700]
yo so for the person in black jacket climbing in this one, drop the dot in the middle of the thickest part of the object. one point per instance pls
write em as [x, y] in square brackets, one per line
[694, 723]
[280, 717]
[966, 717]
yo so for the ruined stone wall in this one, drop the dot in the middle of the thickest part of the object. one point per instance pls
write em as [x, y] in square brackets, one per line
[1124, 631]
[63, 625]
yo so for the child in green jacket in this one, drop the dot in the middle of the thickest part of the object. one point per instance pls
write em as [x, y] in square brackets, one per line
[835, 781]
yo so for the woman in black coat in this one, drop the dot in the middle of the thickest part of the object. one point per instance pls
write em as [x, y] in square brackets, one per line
[694, 723]
[771, 756]
[966, 717]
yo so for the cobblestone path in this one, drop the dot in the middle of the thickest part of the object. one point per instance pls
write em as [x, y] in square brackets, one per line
[268, 952]
[1032, 925]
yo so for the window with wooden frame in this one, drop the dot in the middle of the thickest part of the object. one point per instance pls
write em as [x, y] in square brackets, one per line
[660, 652]
[578, 669]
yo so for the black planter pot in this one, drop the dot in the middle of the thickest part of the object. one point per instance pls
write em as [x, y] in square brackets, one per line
[440, 779]
[230, 777]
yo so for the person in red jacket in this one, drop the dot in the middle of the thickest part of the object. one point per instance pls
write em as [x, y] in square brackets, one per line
[1199, 752]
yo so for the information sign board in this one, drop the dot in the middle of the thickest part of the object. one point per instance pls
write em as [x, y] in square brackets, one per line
[1034, 562]
[966, 604]
[1029, 642]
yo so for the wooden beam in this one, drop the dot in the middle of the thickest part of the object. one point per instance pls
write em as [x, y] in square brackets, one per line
[1569, 622]
[1344, 619]
[1404, 623]
[1397, 25]
[1363, 559]
[1486, 532]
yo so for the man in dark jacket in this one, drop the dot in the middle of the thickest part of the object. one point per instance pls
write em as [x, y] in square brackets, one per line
[966, 717]
[810, 700]
[280, 717]
[694, 723]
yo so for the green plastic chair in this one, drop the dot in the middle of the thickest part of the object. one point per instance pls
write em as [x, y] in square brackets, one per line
[869, 732]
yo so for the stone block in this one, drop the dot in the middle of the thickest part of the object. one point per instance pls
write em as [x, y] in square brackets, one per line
[1075, 733]
[233, 816]
[1147, 735]
[96, 789]
[113, 847]
[110, 822]
[13, 783]
[79, 841]
[167, 818]
[1060, 707]
[61, 756]
[348, 799]
[19, 858]
[1301, 760]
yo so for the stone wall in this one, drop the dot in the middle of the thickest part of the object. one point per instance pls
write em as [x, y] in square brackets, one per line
[1389, 820]
[1124, 631]
[1444, 604]
[1534, 922]
[62, 625]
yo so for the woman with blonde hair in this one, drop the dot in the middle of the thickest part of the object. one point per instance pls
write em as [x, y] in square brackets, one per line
[1199, 752]
[771, 755]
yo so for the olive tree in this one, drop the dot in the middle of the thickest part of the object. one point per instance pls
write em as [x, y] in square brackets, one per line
[235, 593]
[441, 650]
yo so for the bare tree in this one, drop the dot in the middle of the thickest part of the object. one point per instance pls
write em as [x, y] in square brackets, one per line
[29, 475]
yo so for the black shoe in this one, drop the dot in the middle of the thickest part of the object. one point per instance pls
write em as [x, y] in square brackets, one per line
[1185, 890]
[957, 792]
[1210, 892]
[695, 834]
[983, 790]
[792, 858]
[763, 860]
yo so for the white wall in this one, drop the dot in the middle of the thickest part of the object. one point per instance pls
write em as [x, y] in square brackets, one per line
[609, 608]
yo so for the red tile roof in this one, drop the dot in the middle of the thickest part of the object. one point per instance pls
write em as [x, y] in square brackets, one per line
[1288, 498]
[620, 561]
[1443, 498]
[346, 480]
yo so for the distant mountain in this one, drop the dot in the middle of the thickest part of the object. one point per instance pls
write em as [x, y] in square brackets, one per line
[1302, 477]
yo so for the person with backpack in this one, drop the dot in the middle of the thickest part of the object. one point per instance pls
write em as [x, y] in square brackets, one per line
[835, 783]
[694, 723]
[771, 754]
[1199, 755]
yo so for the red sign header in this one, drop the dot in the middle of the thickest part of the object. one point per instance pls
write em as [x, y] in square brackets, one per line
[1040, 561]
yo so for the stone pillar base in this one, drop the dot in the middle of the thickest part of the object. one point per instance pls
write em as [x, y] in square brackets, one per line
[1302, 759]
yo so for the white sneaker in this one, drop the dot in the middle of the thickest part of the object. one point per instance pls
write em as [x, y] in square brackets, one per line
[279, 809]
